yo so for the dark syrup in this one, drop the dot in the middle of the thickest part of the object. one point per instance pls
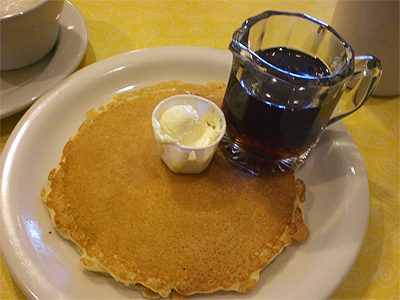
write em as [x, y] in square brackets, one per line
[269, 131]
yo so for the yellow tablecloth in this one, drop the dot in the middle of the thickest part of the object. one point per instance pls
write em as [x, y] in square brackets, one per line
[117, 26]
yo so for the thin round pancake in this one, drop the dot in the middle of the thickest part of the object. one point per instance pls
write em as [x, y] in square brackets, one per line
[133, 218]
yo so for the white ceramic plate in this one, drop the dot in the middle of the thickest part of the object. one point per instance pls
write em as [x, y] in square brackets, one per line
[46, 266]
[21, 87]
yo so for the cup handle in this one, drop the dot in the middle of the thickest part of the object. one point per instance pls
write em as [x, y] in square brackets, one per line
[367, 73]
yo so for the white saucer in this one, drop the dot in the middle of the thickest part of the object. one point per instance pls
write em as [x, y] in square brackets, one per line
[21, 87]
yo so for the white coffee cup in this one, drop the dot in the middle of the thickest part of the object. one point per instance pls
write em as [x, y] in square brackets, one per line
[372, 28]
[28, 35]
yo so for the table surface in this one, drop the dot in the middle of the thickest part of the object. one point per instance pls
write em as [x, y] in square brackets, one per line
[117, 26]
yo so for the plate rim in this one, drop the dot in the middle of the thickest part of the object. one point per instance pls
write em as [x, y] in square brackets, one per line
[102, 66]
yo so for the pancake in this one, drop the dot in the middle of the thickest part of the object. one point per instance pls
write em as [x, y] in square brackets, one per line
[161, 232]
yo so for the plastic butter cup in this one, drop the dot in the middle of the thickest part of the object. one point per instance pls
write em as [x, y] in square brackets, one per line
[180, 158]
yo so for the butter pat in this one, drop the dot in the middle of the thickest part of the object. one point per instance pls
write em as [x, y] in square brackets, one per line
[181, 124]
[187, 129]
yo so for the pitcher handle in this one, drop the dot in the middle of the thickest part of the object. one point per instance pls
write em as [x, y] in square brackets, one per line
[367, 73]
